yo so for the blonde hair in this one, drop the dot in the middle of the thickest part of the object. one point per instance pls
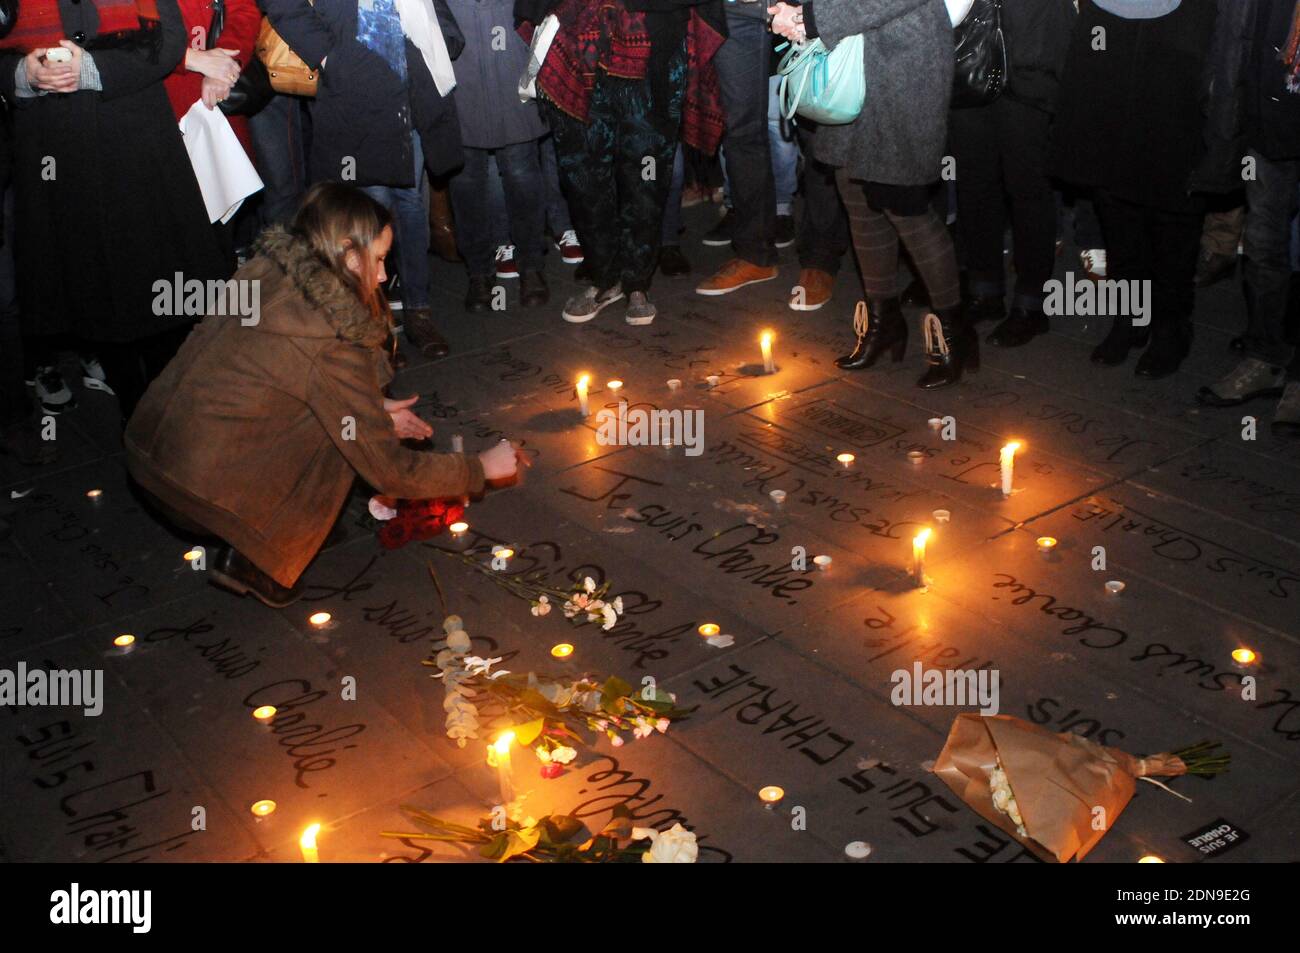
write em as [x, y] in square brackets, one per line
[335, 219]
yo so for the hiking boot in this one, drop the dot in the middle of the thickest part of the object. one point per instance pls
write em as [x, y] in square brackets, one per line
[231, 570]
[1249, 379]
[734, 275]
[1019, 328]
[814, 289]
[672, 263]
[585, 305]
[533, 292]
[880, 327]
[423, 336]
[950, 348]
[721, 233]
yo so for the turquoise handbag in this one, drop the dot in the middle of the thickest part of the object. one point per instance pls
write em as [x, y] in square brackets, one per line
[825, 86]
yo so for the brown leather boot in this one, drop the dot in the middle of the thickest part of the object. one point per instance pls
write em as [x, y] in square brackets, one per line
[442, 232]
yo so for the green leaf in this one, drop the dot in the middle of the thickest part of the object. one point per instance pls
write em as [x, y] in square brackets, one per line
[527, 733]
[559, 828]
[615, 687]
[509, 844]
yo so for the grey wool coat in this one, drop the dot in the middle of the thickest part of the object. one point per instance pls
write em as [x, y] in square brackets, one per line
[899, 137]
[487, 77]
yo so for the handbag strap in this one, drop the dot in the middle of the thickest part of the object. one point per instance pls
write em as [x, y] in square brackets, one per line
[218, 23]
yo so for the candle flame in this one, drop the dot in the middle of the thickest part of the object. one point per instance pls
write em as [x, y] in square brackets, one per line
[459, 527]
[583, 381]
[308, 839]
[319, 618]
[124, 640]
[1151, 859]
[502, 745]
[262, 808]
[264, 712]
[1243, 656]
[922, 537]
[766, 339]
[563, 650]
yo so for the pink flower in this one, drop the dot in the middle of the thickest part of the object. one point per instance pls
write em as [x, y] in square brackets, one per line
[552, 770]
[616, 740]
[662, 724]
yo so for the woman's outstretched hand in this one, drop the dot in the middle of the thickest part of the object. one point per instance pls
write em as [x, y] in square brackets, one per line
[405, 421]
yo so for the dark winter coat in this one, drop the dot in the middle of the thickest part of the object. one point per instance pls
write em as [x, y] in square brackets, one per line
[487, 77]
[1037, 34]
[899, 137]
[105, 197]
[363, 112]
[1131, 117]
[245, 432]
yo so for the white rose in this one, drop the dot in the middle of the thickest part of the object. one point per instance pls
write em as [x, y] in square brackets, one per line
[674, 846]
[563, 754]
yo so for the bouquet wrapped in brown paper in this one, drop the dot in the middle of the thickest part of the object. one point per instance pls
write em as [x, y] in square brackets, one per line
[1057, 794]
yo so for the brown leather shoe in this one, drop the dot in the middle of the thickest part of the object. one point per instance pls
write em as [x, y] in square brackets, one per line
[734, 275]
[813, 291]
[423, 335]
[231, 570]
[442, 233]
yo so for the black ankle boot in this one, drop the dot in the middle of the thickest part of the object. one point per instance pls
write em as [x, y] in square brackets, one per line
[880, 327]
[950, 348]
[1119, 340]
[231, 570]
[1171, 341]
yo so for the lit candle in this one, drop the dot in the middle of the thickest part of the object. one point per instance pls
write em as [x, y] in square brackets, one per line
[502, 552]
[583, 381]
[822, 562]
[845, 458]
[94, 494]
[1243, 656]
[915, 456]
[262, 808]
[458, 528]
[264, 713]
[192, 555]
[1115, 587]
[563, 650]
[310, 855]
[614, 386]
[125, 642]
[771, 795]
[499, 758]
[778, 496]
[709, 629]
[918, 555]
[765, 342]
[1007, 458]
[674, 383]
[319, 619]
[1046, 544]
[1151, 859]
[457, 443]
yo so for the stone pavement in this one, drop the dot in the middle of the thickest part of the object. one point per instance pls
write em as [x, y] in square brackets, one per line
[1201, 525]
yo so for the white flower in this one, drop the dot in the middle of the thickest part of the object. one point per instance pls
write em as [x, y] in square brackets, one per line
[644, 728]
[662, 725]
[563, 754]
[380, 510]
[543, 755]
[618, 605]
[610, 616]
[589, 584]
[474, 665]
[674, 846]
[616, 740]
[541, 606]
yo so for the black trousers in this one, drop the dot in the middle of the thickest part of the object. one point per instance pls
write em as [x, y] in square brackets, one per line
[1144, 243]
[824, 230]
[1001, 155]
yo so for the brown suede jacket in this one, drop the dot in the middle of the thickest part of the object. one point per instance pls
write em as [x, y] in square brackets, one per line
[256, 431]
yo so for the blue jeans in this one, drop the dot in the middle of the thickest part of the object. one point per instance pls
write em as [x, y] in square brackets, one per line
[672, 229]
[1272, 204]
[276, 132]
[742, 63]
[478, 231]
[410, 232]
[785, 156]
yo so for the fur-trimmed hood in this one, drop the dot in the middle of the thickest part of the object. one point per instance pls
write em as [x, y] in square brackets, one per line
[301, 296]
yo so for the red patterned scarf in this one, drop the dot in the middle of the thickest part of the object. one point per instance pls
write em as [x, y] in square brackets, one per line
[40, 25]
[608, 36]
[1291, 53]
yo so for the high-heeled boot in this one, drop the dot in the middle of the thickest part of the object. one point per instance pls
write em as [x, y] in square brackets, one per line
[950, 348]
[879, 328]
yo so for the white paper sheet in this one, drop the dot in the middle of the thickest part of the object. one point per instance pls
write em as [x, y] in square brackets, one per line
[226, 176]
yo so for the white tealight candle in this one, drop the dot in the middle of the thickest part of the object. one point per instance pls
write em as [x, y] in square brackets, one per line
[614, 387]
[822, 562]
[918, 556]
[771, 795]
[765, 343]
[307, 843]
[1007, 461]
[499, 758]
[457, 443]
[583, 382]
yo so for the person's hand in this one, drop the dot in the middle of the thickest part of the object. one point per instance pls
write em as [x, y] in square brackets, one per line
[219, 64]
[405, 422]
[500, 464]
[787, 21]
[214, 91]
[54, 77]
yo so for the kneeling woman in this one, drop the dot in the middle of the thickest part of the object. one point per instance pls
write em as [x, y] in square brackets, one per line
[256, 430]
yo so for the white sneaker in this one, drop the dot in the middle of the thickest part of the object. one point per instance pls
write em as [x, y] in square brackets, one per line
[507, 267]
[92, 375]
[51, 390]
[1093, 261]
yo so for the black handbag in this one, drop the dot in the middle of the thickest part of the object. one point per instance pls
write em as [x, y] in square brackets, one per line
[252, 91]
[8, 16]
[981, 56]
